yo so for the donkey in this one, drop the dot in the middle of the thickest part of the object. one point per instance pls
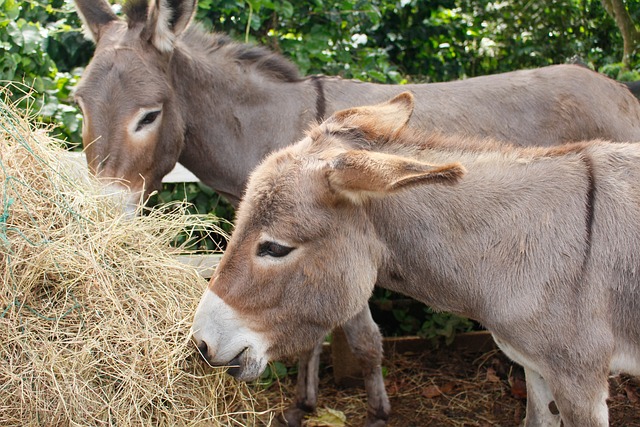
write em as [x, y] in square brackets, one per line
[159, 90]
[540, 245]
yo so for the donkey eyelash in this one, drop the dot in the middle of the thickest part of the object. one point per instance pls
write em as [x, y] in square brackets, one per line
[148, 118]
[273, 249]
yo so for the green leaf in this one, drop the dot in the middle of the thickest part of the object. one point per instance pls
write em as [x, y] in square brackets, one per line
[11, 9]
[286, 9]
[32, 39]
[280, 369]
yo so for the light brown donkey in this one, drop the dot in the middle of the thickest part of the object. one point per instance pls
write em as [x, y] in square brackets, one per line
[160, 90]
[542, 246]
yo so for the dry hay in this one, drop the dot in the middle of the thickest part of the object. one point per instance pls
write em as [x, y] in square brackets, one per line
[94, 311]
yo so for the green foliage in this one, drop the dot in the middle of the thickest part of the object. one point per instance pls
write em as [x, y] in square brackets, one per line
[327, 37]
[443, 326]
[424, 40]
[399, 315]
[201, 200]
[618, 71]
[40, 48]
[274, 372]
[445, 40]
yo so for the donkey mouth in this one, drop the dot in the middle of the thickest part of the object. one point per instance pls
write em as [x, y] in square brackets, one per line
[235, 365]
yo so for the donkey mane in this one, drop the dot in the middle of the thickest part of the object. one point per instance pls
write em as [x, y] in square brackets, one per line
[136, 11]
[412, 141]
[472, 144]
[271, 64]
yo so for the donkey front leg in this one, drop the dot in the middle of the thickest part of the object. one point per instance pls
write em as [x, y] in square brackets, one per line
[581, 396]
[306, 387]
[541, 410]
[578, 389]
[365, 341]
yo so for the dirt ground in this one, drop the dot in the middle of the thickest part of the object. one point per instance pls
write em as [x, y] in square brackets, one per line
[444, 387]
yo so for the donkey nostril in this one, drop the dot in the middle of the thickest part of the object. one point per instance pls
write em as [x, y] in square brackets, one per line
[203, 349]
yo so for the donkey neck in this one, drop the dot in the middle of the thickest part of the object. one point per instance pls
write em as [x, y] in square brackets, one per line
[490, 240]
[236, 111]
[235, 115]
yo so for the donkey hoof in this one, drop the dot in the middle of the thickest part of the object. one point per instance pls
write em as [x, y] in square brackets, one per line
[375, 422]
[293, 416]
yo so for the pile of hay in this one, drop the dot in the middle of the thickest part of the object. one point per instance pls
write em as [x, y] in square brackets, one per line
[94, 311]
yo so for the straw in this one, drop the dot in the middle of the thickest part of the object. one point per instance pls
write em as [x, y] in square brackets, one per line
[94, 309]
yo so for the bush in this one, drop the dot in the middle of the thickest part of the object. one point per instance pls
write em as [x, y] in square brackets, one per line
[41, 50]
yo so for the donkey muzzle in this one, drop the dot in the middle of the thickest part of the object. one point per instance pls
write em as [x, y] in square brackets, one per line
[224, 338]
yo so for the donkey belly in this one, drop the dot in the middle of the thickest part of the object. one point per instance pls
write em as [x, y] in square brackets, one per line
[626, 359]
[515, 355]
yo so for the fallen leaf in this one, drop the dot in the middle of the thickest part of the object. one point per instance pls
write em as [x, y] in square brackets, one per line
[431, 391]
[434, 391]
[518, 387]
[447, 388]
[393, 388]
[327, 417]
[492, 377]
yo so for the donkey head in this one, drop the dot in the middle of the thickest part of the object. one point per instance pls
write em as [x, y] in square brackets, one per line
[304, 256]
[133, 130]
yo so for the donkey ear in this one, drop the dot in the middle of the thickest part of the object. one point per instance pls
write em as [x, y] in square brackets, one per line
[95, 14]
[167, 20]
[359, 175]
[383, 119]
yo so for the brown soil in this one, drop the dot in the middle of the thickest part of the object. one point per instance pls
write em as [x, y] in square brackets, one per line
[446, 387]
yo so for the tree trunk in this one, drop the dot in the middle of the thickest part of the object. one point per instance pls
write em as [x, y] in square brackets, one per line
[630, 34]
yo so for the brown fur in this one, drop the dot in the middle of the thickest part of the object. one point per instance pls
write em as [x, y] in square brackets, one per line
[541, 246]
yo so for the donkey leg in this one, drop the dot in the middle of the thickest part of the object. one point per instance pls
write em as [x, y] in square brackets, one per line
[541, 411]
[581, 397]
[306, 387]
[365, 341]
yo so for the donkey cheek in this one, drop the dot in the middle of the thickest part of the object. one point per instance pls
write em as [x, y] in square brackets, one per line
[292, 339]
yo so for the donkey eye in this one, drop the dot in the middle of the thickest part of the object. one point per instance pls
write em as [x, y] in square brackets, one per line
[148, 118]
[273, 249]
